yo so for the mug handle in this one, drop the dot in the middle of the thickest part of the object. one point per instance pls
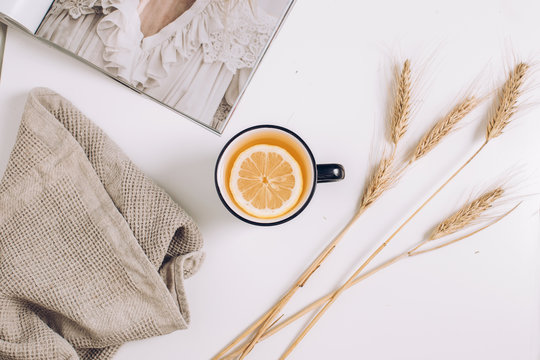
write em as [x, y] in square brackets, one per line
[330, 173]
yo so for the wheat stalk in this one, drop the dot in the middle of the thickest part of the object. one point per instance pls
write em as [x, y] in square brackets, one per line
[401, 110]
[409, 253]
[382, 179]
[507, 101]
[444, 127]
[467, 214]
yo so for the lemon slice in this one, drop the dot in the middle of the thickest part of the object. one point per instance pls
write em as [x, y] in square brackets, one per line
[266, 181]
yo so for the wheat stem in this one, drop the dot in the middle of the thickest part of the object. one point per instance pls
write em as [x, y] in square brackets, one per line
[409, 253]
[299, 283]
[380, 181]
[506, 108]
[315, 305]
[420, 244]
[249, 330]
[373, 255]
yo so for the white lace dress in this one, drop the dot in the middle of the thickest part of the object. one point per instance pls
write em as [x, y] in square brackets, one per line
[196, 64]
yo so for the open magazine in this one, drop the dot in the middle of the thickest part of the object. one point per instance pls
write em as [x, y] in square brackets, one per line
[194, 56]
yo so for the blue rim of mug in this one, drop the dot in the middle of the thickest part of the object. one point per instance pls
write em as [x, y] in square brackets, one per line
[308, 199]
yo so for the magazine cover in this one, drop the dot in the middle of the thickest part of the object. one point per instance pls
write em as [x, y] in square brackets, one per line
[193, 56]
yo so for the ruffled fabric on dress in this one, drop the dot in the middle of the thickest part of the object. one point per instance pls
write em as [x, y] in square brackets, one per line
[199, 60]
[234, 37]
[78, 8]
[117, 27]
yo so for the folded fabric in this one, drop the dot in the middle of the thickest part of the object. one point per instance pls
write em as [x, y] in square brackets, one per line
[92, 253]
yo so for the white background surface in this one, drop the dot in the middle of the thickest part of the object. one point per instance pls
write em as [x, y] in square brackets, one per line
[326, 77]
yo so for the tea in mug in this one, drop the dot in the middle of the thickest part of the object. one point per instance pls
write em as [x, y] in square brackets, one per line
[269, 174]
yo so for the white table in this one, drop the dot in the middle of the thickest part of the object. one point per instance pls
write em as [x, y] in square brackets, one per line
[326, 77]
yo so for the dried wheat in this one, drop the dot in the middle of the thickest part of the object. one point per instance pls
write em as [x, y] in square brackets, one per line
[468, 214]
[401, 110]
[444, 127]
[382, 178]
[508, 100]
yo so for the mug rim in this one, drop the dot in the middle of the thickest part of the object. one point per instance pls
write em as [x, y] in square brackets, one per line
[313, 164]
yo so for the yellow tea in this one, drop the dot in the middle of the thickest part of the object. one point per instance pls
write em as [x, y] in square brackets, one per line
[268, 173]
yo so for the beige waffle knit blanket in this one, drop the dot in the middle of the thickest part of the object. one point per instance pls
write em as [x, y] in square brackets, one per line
[92, 253]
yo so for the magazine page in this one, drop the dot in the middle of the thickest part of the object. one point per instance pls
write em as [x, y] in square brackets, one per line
[193, 56]
[26, 13]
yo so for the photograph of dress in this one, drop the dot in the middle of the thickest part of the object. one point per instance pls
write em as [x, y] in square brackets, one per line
[194, 56]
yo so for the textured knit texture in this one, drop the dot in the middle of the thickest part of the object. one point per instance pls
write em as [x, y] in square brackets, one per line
[92, 253]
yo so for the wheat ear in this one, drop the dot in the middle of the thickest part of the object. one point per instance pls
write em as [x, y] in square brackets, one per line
[414, 253]
[401, 110]
[444, 127]
[382, 178]
[467, 214]
[507, 100]
[386, 174]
